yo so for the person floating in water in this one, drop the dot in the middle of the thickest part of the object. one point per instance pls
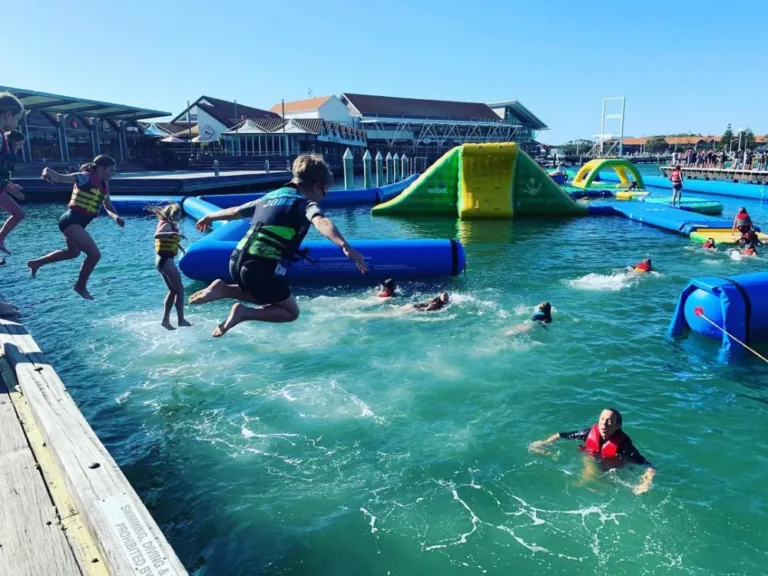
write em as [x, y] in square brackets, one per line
[676, 177]
[742, 222]
[279, 222]
[750, 241]
[436, 303]
[607, 442]
[388, 288]
[709, 244]
[643, 267]
[167, 238]
[541, 317]
[89, 194]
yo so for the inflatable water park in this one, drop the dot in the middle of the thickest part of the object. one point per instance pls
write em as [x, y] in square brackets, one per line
[500, 182]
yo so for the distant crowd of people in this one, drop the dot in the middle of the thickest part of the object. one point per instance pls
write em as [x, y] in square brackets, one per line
[740, 160]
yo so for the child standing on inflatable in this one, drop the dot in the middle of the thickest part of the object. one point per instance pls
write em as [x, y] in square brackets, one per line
[742, 222]
[11, 141]
[89, 193]
[676, 177]
[167, 238]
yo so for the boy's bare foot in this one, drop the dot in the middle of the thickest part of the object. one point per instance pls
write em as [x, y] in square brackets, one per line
[167, 325]
[214, 292]
[3, 248]
[234, 318]
[33, 266]
[183, 322]
[83, 292]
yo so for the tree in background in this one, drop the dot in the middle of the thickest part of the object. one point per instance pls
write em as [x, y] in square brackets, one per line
[726, 140]
[748, 139]
[576, 147]
[656, 145]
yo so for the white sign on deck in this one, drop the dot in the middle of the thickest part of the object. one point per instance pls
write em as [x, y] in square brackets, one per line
[137, 542]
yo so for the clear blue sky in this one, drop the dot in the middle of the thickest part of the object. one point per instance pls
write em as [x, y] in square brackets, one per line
[683, 66]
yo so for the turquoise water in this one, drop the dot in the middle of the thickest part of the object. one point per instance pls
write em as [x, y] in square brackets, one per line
[360, 441]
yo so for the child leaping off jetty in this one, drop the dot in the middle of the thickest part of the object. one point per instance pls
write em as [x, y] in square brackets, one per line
[90, 192]
[167, 238]
[11, 141]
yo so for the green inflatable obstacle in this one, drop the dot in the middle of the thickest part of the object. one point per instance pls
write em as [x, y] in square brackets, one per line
[483, 181]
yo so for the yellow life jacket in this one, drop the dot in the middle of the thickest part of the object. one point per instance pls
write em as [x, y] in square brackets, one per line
[167, 246]
[88, 199]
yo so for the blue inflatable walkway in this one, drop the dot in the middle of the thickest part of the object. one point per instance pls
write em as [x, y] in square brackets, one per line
[714, 187]
[660, 216]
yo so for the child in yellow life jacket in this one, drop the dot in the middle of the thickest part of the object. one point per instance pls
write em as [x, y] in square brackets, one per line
[90, 192]
[167, 238]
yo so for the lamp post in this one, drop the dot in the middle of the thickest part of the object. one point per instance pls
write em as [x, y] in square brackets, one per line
[741, 130]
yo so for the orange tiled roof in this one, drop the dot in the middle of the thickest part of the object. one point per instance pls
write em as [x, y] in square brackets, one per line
[300, 105]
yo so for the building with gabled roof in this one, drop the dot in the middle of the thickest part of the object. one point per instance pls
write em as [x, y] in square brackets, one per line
[215, 116]
[424, 127]
[326, 107]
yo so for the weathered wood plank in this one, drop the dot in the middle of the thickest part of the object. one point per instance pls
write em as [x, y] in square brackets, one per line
[32, 539]
[80, 539]
[130, 541]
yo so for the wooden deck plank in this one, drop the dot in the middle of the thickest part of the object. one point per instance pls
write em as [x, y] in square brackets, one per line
[130, 541]
[32, 539]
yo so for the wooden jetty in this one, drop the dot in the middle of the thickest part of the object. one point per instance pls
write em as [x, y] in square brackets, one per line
[65, 506]
[746, 176]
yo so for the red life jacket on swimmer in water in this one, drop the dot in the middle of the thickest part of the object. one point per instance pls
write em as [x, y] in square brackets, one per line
[386, 294]
[609, 449]
[642, 267]
[709, 244]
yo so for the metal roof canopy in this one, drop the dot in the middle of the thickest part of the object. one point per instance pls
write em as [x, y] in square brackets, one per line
[33, 100]
[522, 112]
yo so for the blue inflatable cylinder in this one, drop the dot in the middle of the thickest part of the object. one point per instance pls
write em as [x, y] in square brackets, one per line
[196, 208]
[138, 204]
[207, 260]
[713, 306]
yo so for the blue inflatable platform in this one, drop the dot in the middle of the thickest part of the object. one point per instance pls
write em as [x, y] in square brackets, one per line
[739, 305]
[661, 216]
[208, 258]
[714, 187]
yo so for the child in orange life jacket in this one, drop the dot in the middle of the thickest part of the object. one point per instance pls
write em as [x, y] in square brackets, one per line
[643, 267]
[388, 288]
[742, 221]
[709, 244]
[11, 111]
[167, 238]
[89, 193]
[607, 441]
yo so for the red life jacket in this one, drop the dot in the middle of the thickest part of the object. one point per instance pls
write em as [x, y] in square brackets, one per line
[675, 177]
[709, 244]
[742, 216]
[749, 251]
[609, 449]
[642, 267]
[385, 294]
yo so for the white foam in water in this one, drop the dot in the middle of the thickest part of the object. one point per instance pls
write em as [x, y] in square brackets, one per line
[605, 282]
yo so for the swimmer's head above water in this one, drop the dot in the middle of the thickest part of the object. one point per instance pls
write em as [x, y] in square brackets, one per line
[609, 423]
[388, 288]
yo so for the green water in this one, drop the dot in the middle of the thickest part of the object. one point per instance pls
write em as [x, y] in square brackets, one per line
[356, 441]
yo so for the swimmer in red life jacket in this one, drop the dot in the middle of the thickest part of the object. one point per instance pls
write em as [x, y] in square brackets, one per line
[643, 267]
[710, 244]
[750, 241]
[433, 305]
[606, 441]
[742, 222]
[388, 288]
